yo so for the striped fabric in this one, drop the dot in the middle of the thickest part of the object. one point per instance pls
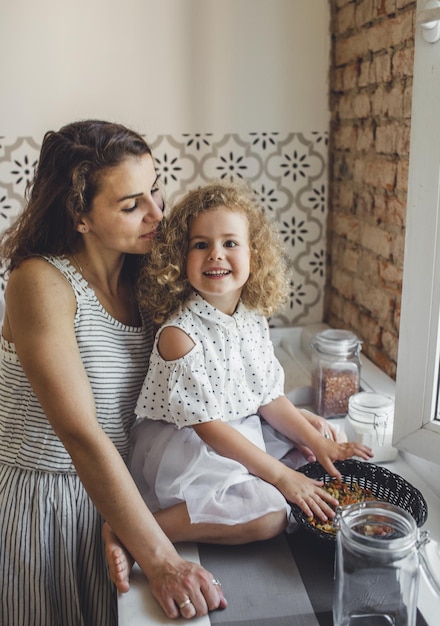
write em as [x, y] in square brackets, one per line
[52, 568]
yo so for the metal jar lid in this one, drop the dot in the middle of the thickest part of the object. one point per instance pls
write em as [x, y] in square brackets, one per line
[367, 407]
[335, 341]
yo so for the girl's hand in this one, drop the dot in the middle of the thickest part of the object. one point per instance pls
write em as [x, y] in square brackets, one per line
[333, 446]
[329, 451]
[307, 494]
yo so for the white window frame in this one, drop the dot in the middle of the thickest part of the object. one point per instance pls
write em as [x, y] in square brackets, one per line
[416, 429]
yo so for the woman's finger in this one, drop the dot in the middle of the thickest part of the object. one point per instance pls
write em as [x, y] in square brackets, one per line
[187, 608]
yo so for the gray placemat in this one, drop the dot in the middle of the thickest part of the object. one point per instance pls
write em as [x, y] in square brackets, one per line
[263, 584]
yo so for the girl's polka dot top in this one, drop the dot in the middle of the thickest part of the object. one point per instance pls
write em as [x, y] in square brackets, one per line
[229, 373]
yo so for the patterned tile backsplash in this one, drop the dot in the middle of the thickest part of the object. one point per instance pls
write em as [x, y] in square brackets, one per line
[287, 171]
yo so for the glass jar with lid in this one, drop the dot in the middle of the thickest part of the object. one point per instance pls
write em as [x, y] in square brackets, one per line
[336, 368]
[370, 421]
[379, 555]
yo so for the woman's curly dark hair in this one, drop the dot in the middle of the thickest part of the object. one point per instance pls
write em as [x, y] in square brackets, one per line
[163, 284]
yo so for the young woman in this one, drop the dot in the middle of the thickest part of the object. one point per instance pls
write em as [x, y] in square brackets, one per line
[74, 351]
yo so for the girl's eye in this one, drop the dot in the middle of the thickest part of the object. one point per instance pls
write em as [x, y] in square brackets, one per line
[230, 244]
[200, 245]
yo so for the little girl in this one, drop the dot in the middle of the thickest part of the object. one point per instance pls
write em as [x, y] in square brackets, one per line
[213, 420]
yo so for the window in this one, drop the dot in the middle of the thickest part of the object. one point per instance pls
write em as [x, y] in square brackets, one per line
[417, 423]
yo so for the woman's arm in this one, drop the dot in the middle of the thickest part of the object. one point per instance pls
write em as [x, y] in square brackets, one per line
[282, 415]
[39, 320]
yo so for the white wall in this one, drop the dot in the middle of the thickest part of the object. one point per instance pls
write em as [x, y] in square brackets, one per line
[165, 66]
[219, 88]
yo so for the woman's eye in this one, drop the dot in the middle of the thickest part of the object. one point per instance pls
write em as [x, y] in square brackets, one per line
[131, 208]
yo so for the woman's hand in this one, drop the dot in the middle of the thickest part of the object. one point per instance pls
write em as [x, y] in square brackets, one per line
[182, 588]
[324, 427]
[185, 589]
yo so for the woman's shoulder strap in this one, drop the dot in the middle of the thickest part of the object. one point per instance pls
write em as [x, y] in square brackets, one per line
[76, 280]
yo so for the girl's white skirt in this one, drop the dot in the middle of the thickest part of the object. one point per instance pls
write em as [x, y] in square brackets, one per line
[171, 466]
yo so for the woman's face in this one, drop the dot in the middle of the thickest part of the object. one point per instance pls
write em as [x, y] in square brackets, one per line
[218, 260]
[127, 209]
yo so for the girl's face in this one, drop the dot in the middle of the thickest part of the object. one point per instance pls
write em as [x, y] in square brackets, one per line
[127, 209]
[218, 260]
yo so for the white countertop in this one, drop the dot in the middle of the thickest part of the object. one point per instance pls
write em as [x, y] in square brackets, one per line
[291, 345]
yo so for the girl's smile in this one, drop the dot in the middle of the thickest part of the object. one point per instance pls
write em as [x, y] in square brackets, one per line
[217, 273]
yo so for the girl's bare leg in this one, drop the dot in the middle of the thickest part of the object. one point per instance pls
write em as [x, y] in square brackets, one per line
[176, 524]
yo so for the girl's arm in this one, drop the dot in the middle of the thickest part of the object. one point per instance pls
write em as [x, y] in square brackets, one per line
[173, 344]
[294, 486]
[282, 415]
[39, 320]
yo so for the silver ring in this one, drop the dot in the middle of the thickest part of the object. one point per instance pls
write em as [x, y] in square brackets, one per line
[327, 435]
[216, 582]
[184, 603]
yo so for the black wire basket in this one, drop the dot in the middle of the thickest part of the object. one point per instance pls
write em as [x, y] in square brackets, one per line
[383, 484]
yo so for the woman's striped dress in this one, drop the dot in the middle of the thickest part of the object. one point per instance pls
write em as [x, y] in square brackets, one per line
[52, 566]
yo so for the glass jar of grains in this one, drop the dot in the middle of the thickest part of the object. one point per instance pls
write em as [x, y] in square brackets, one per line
[336, 370]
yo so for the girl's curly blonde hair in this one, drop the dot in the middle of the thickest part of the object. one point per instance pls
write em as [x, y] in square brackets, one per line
[163, 285]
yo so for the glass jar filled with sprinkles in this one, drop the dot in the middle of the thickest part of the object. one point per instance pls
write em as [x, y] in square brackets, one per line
[336, 369]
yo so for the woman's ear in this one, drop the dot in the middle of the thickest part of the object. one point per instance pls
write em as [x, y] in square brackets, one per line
[81, 227]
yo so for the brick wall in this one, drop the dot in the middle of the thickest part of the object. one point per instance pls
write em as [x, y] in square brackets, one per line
[370, 101]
